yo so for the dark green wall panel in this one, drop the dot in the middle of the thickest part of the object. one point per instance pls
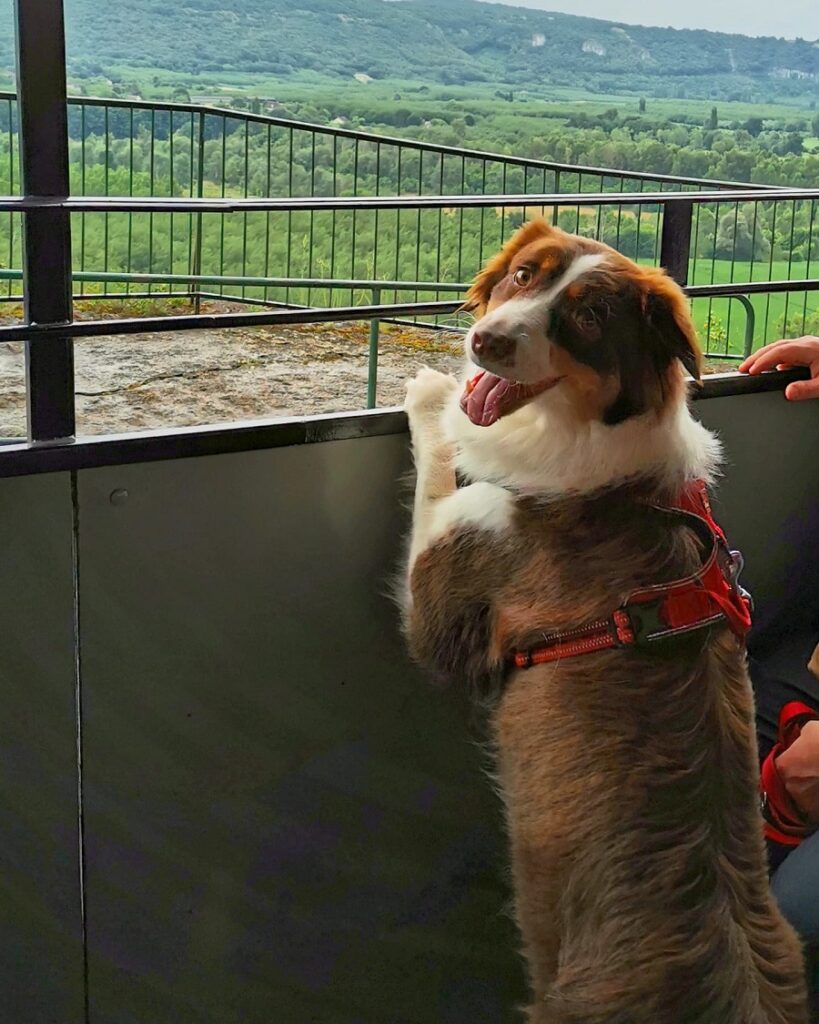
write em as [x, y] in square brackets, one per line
[769, 501]
[284, 821]
[41, 961]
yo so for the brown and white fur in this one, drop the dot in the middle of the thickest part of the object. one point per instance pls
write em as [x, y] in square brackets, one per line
[629, 778]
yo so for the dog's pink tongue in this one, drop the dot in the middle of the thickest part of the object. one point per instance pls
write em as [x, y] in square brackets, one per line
[483, 398]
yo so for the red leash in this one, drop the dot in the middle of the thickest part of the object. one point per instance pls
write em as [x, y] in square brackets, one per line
[665, 610]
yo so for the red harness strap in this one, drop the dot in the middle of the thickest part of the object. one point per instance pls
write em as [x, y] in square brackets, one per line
[708, 596]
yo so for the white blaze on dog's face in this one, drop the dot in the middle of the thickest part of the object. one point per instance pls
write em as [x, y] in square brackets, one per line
[556, 311]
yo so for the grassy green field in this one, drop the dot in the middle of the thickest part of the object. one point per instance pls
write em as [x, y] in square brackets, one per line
[310, 96]
[776, 315]
[309, 87]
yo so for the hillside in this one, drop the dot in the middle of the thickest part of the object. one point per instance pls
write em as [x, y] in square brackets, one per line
[449, 41]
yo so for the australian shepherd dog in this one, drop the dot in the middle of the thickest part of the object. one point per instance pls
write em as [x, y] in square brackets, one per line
[548, 491]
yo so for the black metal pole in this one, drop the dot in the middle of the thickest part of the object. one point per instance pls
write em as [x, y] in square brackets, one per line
[43, 120]
[675, 245]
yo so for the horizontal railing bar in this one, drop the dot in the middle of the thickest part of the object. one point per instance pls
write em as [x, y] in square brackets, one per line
[248, 300]
[241, 300]
[250, 282]
[163, 204]
[693, 291]
[167, 204]
[105, 296]
[715, 291]
[217, 321]
[394, 140]
[224, 438]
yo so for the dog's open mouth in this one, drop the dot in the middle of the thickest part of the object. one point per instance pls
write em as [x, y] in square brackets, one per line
[487, 398]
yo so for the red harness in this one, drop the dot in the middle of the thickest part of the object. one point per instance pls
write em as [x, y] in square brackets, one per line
[665, 610]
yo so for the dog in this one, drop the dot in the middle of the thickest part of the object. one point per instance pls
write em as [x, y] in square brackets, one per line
[547, 492]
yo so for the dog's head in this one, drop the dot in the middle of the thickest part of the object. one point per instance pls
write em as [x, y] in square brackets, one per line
[560, 313]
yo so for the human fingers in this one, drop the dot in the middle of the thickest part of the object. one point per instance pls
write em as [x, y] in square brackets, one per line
[800, 390]
[746, 365]
[802, 352]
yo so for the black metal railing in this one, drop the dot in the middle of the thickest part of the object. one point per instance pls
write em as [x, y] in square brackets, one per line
[678, 218]
[212, 212]
[138, 148]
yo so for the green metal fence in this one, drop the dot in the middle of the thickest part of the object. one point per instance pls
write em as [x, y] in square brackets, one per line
[297, 258]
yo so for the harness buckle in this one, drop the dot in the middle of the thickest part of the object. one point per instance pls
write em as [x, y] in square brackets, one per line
[651, 628]
[735, 570]
[647, 624]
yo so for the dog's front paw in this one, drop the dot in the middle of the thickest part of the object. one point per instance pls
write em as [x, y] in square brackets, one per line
[428, 392]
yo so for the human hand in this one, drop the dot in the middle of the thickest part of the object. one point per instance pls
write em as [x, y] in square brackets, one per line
[798, 767]
[813, 664]
[781, 355]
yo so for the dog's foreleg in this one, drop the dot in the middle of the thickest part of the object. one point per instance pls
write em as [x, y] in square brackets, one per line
[427, 394]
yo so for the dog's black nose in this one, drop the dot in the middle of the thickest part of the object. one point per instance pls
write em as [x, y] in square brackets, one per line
[496, 347]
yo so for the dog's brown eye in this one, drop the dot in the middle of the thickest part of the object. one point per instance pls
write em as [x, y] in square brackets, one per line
[587, 321]
[522, 277]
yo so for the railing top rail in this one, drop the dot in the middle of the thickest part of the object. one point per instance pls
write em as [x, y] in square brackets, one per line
[244, 280]
[395, 140]
[239, 436]
[161, 204]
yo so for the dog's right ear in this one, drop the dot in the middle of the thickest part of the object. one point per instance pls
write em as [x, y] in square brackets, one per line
[478, 296]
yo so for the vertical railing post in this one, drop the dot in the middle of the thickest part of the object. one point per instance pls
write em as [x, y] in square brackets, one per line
[43, 121]
[372, 361]
[196, 268]
[675, 245]
[750, 323]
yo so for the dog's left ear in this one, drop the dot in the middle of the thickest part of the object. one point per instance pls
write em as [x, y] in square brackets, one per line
[669, 319]
[644, 359]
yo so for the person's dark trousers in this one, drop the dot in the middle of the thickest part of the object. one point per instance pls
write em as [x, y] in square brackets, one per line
[795, 884]
[795, 873]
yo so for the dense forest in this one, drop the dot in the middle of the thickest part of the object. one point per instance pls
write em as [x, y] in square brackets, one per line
[442, 41]
[731, 143]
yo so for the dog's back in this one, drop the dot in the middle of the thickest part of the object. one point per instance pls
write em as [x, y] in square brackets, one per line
[629, 778]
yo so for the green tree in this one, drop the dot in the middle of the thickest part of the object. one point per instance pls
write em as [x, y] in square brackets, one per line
[737, 240]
